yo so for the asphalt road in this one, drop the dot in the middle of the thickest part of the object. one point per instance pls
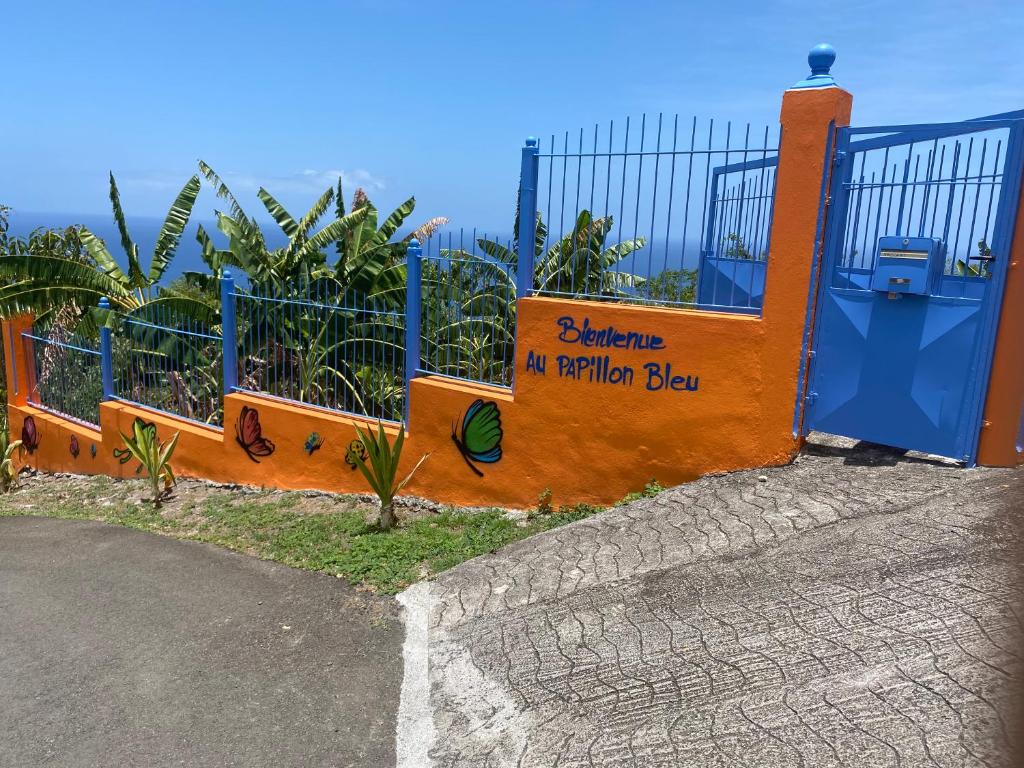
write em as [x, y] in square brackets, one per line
[120, 648]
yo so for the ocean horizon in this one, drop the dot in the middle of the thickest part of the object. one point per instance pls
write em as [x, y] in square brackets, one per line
[144, 230]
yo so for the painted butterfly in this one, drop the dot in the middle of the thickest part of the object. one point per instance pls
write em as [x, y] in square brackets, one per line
[74, 446]
[249, 434]
[356, 451]
[480, 437]
[29, 435]
[313, 442]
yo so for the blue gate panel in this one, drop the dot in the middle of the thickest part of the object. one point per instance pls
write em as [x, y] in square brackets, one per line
[885, 372]
[902, 351]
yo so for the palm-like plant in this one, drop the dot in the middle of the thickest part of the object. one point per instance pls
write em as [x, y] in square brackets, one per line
[40, 282]
[468, 303]
[317, 331]
[61, 278]
[369, 260]
[580, 263]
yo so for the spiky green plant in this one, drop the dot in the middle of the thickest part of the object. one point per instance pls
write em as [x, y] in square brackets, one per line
[380, 468]
[154, 456]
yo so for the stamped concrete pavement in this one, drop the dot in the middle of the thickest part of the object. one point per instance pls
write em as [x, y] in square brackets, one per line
[857, 608]
[121, 648]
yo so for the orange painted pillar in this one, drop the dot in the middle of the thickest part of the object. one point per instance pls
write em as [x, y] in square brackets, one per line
[1004, 407]
[16, 361]
[810, 111]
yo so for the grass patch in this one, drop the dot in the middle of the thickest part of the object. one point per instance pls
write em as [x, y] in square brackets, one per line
[327, 533]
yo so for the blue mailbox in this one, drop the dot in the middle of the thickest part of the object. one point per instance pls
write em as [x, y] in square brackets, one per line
[910, 265]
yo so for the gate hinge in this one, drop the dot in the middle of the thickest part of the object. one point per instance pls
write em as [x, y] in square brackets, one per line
[839, 158]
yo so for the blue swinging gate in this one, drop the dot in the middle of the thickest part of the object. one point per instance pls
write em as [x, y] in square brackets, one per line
[917, 239]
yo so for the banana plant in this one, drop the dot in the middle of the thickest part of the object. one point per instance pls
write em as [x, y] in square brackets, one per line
[313, 327]
[470, 314]
[369, 260]
[44, 282]
[964, 268]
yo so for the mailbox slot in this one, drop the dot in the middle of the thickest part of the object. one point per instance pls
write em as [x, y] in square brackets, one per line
[908, 265]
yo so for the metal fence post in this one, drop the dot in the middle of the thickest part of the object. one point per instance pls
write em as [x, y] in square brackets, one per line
[229, 329]
[413, 314]
[106, 353]
[527, 217]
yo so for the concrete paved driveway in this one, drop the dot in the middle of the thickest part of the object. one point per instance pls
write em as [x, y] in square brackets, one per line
[857, 608]
[120, 648]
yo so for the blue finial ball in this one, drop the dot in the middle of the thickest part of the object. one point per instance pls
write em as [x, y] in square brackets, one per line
[821, 58]
[531, 141]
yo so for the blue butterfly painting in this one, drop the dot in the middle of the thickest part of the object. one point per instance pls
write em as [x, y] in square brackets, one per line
[313, 443]
[479, 440]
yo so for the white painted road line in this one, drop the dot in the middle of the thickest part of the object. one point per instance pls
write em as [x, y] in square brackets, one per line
[415, 727]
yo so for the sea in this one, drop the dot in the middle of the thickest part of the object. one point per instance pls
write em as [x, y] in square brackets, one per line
[144, 230]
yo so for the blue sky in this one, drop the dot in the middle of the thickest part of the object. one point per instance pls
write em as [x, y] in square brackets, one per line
[435, 98]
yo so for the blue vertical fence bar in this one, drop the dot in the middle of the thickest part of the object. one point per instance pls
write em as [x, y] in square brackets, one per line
[229, 329]
[468, 308]
[528, 175]
[106, 353]
[659, 211]
[413, 315]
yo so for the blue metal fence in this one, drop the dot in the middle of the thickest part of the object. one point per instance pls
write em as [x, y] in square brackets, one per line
[168, 362]
[319, 345]
[468, 309]
[633, 212]
[66, 378]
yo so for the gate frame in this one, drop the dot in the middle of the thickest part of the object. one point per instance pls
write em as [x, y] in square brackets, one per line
[834, 208]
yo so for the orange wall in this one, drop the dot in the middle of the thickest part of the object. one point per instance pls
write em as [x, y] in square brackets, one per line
[586, 439]
[1005, 402]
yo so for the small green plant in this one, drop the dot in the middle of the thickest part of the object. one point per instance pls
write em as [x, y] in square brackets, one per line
[544, 502]
[8, 447]
[653, 488]
[380, 468]
[154, 456]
